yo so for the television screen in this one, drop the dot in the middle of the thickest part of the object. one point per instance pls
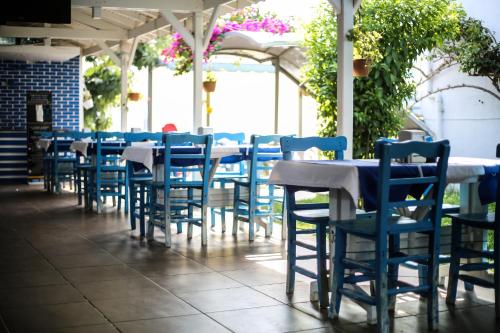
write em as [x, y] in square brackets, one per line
[53, 11]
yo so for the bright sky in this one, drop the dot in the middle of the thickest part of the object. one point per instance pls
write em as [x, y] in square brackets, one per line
[301, 10]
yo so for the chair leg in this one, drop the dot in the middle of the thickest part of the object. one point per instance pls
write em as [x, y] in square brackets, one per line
[321, 264]
[212, 217]
[338, 273]
[152, 212]
[167, 217]
[381, 286]
[133, 198]
[394, 246]
[204, 225]
[78, 185]
[456, 234]
[432, 281]
[142, 204]
[496, 250]
[223, 219]
[235, 209]
[291, 256]
[126, 194]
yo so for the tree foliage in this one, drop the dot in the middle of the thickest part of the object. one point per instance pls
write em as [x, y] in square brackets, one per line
[147, 54]
[102, 81]
[408, 28]
[476, 51]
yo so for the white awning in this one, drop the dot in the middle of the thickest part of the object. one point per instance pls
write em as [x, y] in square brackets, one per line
[265, 46]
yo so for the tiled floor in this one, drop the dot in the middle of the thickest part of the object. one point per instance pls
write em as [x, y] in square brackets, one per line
[66, 270]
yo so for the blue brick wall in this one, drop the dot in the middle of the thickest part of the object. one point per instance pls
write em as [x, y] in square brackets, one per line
[18, 77]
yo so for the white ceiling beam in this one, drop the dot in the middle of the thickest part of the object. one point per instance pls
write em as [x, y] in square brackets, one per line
[336, 5]
[211, 25]
[60, 33]
[153, 25]
[96, 49]
[133, 47]
[112, 55]
[82, 17]
[174, 21]
[173, 5]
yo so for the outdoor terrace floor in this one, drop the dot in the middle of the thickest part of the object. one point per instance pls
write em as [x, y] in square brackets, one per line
[66, 270]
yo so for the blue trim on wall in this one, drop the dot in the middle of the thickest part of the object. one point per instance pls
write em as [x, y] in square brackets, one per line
[18, 77]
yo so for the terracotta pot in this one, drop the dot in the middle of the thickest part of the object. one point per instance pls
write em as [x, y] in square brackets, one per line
[209, 86]
[360, 68]
[134, 96]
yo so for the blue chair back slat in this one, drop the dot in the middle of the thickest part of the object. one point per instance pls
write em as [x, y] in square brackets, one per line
[143, 136]
[239, 138]
[318, 225]
[333, 144]
[171, 140]
[387, 152]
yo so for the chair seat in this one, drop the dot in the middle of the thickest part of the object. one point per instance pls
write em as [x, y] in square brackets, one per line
[322, 215]
[366, 226]
[181, 184]
[228, 177]
[84, 166]
[482, 221]
[66, 159]
[450, 209]
[245, 181]
[141, 178]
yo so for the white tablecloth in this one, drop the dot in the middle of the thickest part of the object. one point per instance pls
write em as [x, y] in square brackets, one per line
[79, 146]
[344, 174]
[144, 153]
[44, 144]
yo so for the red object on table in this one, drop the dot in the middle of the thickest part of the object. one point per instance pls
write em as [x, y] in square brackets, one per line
[169, 128]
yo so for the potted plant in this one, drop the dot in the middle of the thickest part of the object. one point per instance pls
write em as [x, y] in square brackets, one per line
[365, 51]
[134, 96]
[209, 82]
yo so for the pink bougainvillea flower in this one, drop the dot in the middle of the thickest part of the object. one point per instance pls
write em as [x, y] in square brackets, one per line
[246, 19]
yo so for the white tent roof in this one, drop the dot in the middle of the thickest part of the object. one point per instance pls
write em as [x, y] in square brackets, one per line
[265, 46]
[120, 20]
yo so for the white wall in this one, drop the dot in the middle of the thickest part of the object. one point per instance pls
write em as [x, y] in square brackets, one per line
[469, 118]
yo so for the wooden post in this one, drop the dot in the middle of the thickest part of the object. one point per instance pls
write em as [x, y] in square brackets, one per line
[345, 100]
[197, 70]
[150, 99]
[276, 64]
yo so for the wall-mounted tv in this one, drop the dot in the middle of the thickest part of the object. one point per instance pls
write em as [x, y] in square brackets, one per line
[53, 11]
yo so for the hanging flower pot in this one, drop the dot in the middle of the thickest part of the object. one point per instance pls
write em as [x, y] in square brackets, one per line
[134, 96]
[360, 67]
[209, 86]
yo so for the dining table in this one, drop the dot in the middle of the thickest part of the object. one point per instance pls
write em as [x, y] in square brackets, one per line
[347, 181]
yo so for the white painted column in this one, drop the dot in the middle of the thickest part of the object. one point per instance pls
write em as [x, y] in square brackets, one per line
[81, 83]
[150, 99]
[345, 100]
[124, 92]
[276, 64]
[301, 113]
[197, 70]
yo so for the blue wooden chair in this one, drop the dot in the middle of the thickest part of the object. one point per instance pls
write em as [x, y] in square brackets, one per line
[226, 174]
[108, 176]
[314, 214]
[490, 259]
[140, 182]
[63, 161]
[385, 230]
[82, 169]
[446, 209]
[182, 195]
[258, 202]
[47, 161]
